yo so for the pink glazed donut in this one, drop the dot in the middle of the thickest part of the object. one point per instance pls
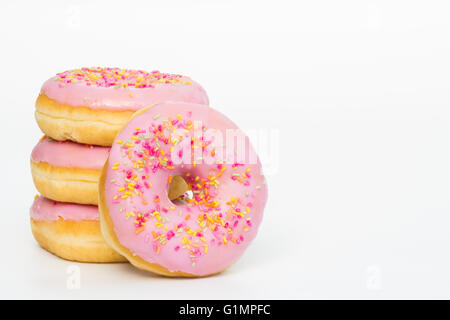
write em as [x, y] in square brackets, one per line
[67, 171]
[90, 105]
[207, 228]
[70, 231]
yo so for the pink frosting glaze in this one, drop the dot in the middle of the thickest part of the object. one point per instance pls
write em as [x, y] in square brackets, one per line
[215, 225]
[69, 154]
[49, 210]
[121, 89]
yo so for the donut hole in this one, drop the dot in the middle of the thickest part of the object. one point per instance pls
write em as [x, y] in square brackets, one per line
[178, 190]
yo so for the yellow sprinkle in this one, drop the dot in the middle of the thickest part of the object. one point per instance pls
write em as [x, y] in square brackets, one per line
[185, 240]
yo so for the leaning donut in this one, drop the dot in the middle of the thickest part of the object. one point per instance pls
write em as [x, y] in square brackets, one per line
[206, 229]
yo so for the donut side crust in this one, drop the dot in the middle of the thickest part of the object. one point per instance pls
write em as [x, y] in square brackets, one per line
[80, 123]
[74, 240]
[63, 184]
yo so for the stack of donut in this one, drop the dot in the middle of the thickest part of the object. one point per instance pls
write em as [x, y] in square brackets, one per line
[135, 166]
[80, 112]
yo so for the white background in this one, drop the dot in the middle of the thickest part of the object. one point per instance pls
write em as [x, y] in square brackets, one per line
[358, 91]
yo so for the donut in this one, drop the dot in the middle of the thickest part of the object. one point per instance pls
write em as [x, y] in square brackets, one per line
[210, 225]
[90, 105]
[66, 171]
[70, 231]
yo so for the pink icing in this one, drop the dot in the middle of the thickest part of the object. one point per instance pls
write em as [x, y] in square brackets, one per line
[103, 88]
[49, 210]
[69, 154]
[197, 239]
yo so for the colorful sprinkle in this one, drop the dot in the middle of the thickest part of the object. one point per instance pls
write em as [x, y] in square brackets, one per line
[119, 78]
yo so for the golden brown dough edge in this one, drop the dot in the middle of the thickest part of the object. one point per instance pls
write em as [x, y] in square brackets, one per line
[80, 124]
[74, 240]
[62, 184]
